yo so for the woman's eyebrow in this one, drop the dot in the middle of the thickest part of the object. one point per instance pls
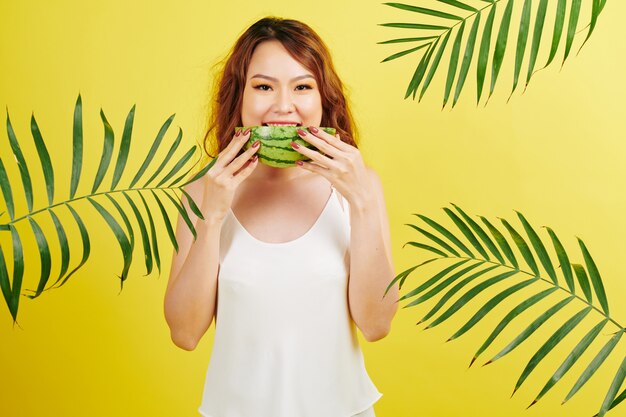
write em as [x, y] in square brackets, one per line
[276, 80]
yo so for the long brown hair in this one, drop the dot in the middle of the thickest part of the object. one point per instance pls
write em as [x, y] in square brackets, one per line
[307, 48]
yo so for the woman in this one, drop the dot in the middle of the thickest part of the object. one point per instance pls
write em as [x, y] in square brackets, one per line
[302, 254]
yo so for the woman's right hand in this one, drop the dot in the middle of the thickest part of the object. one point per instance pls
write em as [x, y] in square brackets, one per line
[223, 178]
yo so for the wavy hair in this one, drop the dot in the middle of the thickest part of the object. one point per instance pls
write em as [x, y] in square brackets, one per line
[305, 46]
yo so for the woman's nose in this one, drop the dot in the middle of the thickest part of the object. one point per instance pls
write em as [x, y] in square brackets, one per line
[284, 102]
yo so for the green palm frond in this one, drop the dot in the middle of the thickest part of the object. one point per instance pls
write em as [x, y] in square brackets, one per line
[167, 181]
[461, 21]
[482, 258]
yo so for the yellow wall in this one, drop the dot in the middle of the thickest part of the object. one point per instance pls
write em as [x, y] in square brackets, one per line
[555, 153]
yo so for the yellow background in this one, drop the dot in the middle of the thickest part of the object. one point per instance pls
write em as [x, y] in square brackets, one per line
[555, 153]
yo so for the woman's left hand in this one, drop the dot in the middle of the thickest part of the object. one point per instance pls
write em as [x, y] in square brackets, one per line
[342, 163]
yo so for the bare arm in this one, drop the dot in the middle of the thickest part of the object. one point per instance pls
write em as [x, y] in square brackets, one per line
[371, 265]
[191, 294]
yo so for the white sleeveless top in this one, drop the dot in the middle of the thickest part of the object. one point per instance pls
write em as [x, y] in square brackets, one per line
[285, 344]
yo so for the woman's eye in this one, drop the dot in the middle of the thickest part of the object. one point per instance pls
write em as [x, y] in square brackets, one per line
[265, 87]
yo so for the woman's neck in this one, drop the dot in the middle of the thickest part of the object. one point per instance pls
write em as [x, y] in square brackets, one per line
[267, 173]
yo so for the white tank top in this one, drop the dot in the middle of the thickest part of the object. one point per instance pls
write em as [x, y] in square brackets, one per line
[285, 344]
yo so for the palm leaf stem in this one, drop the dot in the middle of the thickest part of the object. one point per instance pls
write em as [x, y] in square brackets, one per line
[469, 16]
[462, 21]
[548, 281]
[5, 226]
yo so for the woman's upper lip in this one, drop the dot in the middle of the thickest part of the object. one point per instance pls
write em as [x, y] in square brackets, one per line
[283, 122]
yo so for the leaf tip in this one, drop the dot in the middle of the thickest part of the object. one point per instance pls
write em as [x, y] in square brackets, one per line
[531, 404]
[472, 361]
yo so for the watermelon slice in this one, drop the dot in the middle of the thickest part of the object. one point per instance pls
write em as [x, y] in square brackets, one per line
[276, 150]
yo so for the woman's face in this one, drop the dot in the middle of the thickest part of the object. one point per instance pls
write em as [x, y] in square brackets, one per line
[279, 89]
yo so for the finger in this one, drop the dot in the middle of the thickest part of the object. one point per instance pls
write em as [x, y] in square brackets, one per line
[238, 162]
[246, 170]
[232, 149]
[314, 155]
[319, 143]
[333, 140]
[313, 167]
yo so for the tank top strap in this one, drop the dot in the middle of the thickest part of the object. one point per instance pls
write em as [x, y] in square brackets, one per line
[343, 203]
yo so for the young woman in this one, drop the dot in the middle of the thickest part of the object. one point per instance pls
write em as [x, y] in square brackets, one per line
[302, 254]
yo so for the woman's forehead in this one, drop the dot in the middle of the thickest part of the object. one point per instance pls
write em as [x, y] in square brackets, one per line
[272, 60]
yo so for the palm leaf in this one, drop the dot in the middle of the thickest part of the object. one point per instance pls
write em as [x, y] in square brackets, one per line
[454, 60]
[565, 266]
[433, 26]
[467, 59]
[572, 358]
[593, 366]
[483, 53]
[481, 233]
[122, 156]
[621, 397]
[595, 277]
[501, 43]
[484, 272]
[596, 8]
[522, 246]
[541, 251]
[467, 232]
[504, 245]
[532, 327]
[144, 233]
[117, 220]
[77, 146]
[27, 183]
[166, 159]
[435, 239]
[522, 39]
[615, 386]
[436, 290]
[563, 331]
[420, 71]
[571, 27]
[107, 152]
[430, 282]
[558, 30]
[44, 158]
[448, 295]
[5, 187]
[433, 67]
[491, 304]
[153, 150]
[518, 310]
[470, 295]
[536, 42]
[153, 233]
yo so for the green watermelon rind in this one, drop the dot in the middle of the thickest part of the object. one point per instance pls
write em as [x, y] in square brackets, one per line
[276, 150]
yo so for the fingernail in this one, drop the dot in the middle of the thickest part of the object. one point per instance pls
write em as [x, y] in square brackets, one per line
[254, 158]
[238, 133]
[246, 132]
[256, 144]
[295, 145]
[313, 129]
[301, 132]
[299, 163]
